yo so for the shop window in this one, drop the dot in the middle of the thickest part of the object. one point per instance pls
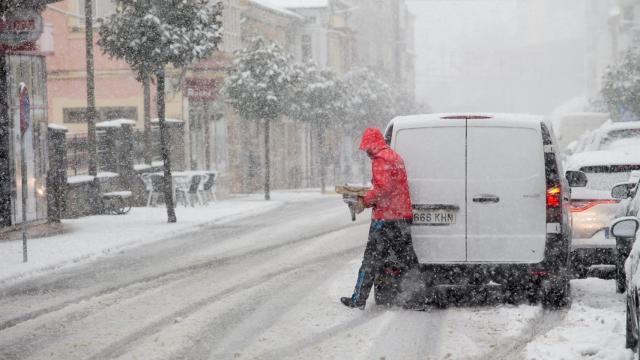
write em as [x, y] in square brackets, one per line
[78, 115]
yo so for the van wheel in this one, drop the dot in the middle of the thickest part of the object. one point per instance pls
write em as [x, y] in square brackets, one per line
[556, 293]
[630, 341]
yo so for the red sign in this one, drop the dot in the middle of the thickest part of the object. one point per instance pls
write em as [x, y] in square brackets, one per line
[201, 89]
[17, 29]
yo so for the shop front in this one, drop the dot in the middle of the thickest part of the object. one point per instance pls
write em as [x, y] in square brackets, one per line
[23, 119]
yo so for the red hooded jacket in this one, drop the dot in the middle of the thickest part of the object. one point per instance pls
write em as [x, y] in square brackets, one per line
[389, 196]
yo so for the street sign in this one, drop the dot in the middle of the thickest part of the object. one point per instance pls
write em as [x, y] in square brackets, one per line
[17, 29]
[201, 89]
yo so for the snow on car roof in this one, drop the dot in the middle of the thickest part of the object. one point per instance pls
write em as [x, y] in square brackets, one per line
[621, 125]
[525, 120]
[604, 157]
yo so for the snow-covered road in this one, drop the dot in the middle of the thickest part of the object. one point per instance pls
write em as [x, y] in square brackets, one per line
[267, 287]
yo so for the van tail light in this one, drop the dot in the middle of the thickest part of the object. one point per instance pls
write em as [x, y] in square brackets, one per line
[554, 204]
[583, 205]
[554, 195]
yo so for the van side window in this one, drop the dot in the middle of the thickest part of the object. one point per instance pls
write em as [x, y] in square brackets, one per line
[388, 134]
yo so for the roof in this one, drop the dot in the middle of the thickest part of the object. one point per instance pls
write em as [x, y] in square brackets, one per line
[524, 120]
[604, 157]
[273, 6]
[301, 4]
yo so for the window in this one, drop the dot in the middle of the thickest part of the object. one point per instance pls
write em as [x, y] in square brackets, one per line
[78, 115]
[101, 8]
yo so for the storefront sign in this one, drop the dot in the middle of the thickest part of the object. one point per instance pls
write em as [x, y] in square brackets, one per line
[17, 29]
[201, 89]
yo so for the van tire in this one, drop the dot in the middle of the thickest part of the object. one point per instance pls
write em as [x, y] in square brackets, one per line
[556, 293]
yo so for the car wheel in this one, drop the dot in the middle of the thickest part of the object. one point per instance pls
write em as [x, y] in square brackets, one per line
[556, 293]
[631, 341]
[621, 279]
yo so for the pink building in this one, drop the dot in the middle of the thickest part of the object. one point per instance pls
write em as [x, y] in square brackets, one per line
[118, 94]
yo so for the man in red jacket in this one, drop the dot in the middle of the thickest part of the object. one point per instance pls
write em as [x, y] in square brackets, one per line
[391, 216]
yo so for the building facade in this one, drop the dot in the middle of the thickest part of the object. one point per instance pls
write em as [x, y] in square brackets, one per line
[384, 40]
[23, 116]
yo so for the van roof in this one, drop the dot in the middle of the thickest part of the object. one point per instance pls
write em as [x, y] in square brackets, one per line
[426, 120]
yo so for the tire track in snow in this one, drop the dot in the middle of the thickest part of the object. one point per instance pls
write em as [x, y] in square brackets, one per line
[168, 276]
[120, 347]
[89, 305]
[538, 326]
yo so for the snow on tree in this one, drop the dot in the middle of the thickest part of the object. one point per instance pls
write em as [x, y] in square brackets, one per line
[371, 100]
[320, 99]
[151, 34]
[9, 6]
[621, 86]
[259, 88]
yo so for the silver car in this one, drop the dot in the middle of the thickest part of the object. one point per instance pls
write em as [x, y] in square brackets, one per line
[593, 208]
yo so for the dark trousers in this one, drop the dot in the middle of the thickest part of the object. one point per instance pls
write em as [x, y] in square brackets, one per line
[384, 236]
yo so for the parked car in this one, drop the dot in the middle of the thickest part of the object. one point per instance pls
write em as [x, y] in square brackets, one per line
[627, 193]
[610, 136]
[490, 201]
[625, 230]
[593, 208]
[570, 126]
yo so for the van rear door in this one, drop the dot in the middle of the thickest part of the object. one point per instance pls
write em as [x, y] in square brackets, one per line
[435, 160]
[506, 193]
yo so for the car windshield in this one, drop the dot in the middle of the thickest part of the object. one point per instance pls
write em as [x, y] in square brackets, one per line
[318, 179]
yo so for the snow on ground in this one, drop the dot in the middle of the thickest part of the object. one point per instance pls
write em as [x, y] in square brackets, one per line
[594, 327]
[90, 237]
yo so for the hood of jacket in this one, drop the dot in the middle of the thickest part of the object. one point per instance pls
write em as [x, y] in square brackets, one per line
[373, 141]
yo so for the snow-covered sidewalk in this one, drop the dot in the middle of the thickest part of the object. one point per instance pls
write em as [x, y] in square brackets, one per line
[91, 237]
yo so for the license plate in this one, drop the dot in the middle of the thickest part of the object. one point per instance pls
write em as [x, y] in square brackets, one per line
[433, 217]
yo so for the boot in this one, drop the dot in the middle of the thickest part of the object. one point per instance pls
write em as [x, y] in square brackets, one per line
[349, 303]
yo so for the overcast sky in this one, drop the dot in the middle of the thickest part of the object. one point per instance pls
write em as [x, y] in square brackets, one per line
[499, 55]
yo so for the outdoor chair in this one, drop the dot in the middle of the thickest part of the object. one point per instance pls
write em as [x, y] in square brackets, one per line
[188, 190]
[207, 190]
[153, 184]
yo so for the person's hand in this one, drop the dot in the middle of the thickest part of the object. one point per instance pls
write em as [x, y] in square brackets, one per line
[359, 206]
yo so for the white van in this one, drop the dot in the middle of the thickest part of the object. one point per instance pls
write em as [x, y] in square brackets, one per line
[489, 201]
